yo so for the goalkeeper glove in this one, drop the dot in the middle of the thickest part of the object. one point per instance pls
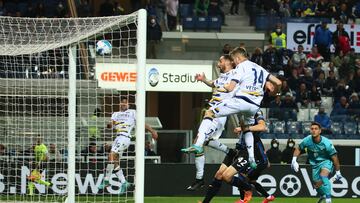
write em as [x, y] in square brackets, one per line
[294, 164]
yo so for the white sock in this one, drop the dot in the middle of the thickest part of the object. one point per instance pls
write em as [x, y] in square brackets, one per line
[109, 170]
[207, 127]
[328, 200]
[199, 163]
[249, 140]
[121, 176]
[215, 144]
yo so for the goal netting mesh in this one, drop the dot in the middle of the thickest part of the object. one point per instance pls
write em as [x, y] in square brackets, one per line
[34, 101]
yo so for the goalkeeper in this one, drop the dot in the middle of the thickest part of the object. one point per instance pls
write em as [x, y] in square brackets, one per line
[41, 155]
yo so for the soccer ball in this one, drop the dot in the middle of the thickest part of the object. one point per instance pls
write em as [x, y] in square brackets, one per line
[103, 47]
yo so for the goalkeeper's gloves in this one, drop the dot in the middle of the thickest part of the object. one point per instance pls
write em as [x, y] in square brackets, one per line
[294, 164]
[337, 176]
[252, 163]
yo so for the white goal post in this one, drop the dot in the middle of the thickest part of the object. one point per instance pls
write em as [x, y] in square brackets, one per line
[53, 113]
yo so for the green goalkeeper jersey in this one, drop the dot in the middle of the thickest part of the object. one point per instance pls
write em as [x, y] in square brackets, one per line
[40, 153]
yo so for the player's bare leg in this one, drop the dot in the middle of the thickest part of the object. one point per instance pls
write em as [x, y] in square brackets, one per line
[241, 182]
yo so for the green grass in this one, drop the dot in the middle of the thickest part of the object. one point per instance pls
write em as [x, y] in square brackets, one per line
[109, 199]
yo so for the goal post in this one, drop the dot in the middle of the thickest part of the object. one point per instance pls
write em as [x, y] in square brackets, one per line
[55, 111]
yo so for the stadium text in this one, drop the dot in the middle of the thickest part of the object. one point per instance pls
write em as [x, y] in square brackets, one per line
[119, 76]
[169, 77]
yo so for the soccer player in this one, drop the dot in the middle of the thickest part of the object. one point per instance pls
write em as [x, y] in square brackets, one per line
[41, 155]
[237, 163]
[210, 137]
[248, 80]
[261, 159]
[322, 156]
[122, 122]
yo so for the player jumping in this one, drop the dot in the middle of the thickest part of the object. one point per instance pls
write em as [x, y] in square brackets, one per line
[122, 122]
[210, 137]
[41, 155]
[247, 82]
[322, 156]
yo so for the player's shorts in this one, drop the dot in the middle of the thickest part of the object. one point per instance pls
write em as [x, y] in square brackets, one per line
[216, 129]
[240, 162]
[236, 105]
[120, 144]
[316, 169]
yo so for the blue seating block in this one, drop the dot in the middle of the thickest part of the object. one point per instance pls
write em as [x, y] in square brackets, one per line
[188, 22]
[215, 23]
[202, 23]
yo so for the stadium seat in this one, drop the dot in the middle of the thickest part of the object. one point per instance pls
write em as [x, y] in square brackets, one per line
[202, 23]
[293, 127]
[303, 115]
[305, 127]
[185, 10]
[279, 127]
[215, 23]
[268, 127]
[337, 128]
[350, 128]
[188, 23]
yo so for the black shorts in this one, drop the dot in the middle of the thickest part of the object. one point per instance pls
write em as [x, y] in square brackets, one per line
[240, 161]
[230, 156]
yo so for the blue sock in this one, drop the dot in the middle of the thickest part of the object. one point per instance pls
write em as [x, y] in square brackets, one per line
[325, 188]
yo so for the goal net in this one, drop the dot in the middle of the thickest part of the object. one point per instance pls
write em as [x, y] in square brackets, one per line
[59, 87]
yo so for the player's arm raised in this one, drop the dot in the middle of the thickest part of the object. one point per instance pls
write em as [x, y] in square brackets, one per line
[201, 77]
[276, 82]
[153, 132]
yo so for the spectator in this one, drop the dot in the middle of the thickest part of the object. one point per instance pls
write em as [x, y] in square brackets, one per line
[172, 7]
[298, 56]
[309, 9]
[322, 8]
[293, 80]
[278, 38]
[315, 96]
[91, 150]
[201, 7]
[151, 8]
[317, 71]
[333, 9]
[320, 82]
[148, 149]
[215, 10]
[274, 154]
[289, 108]
[154, 35]
[271, 59]
[287, 153]
[357, 81]
[40, 11]
[106, 8]
[284, 8]
[105, 149]
[257, 56]
[342, 90]
[356, 10]
[234, 9]
[285, 89]
[285, 57]
[340, 111]
[226, 49]
[314, 58]
[330, 83]
[341, 39]
[54, 153]
[60, 10]
[354, 107]
[301, 69]
[3, 150]
[324, 120]
[323, 40]
[302, 96]
[275, 108]
[85, 9]
[160, 9]
[308, 79]
[343, 14]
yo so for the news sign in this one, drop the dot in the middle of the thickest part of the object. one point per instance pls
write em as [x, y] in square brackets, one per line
[303, 33]
[159, 77]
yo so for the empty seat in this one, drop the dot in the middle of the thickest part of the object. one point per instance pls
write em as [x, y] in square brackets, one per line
[293, 127]
[215, 23]
[337, 128]
[305, 127]
[185, 10]
[350, 128]
[202, 23]
[188, 23]
[278, 127]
